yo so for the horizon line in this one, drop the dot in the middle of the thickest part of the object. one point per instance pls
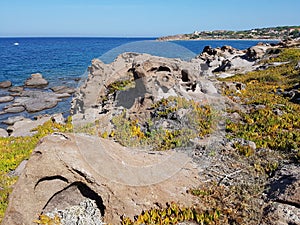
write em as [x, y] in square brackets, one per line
[79, 36]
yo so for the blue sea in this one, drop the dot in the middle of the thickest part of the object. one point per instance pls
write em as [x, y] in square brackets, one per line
[63, 60]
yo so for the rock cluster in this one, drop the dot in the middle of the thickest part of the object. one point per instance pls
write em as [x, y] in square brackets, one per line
[32, 97]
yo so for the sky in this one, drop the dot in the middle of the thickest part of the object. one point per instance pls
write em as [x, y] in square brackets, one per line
[140, 18]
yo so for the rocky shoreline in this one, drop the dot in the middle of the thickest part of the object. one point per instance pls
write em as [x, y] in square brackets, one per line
[33, 98]
[126, 111]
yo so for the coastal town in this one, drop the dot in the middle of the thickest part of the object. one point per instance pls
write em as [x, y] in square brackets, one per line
[276, 33]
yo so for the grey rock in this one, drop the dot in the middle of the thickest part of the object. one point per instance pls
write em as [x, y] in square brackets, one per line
[24, 127]
[18, 171]
[3, 133]
[255, 52]
[243, 142]
[284, 195]
[14, 109]
[285, 185]
[86, 213]
[208, 87]
[297, 67]
[5, 84]
[36, 81]
[6, 99]
[16, 89]
[35, 101]
[63, 89]
[12, 120]
[226, 65]
[63, 95]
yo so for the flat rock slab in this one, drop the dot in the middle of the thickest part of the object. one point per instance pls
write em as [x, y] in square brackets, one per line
[5, 84]
[6, 99]
[63, 170]
[24, 127]
[14, 109]
[35, 101]
[16, 89]
[12, 120]
[63, 89]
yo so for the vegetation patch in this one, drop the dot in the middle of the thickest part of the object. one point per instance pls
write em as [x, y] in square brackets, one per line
[271, 121]
[174, 121]
[173, 214]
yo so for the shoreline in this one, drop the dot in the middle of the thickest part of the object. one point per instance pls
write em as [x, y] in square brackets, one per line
[225, 39]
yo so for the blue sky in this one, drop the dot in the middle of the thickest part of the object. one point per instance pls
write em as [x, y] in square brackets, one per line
[150, 18]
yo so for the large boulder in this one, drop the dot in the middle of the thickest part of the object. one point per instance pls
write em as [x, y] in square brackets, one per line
[36, 81]
[67, 170]
[255, 52]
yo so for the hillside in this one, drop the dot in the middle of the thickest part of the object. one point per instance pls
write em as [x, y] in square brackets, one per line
[281, 32]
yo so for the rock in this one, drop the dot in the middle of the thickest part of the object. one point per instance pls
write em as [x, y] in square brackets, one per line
[14, 109]
[63, 90]
[289, 43]
[281, 214]
[59, 118]
[208, 87]
[12, 120]
[6, 99]
[297, 67]
[226, 65]
[86, 212]
[20, 126]
[35, 101]
[243, 142]
[36, 81]
[5, 84]
[16, 89]
[18, 171]
[58, 176]
[233, 86]
[3, 133]
[209, 50]
[285, 185]
[284, 195]
[63, 95]
[24, 127]
[255, 53]
[229, 59]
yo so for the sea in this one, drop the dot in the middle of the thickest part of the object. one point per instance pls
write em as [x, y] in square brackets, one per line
[64, 61]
